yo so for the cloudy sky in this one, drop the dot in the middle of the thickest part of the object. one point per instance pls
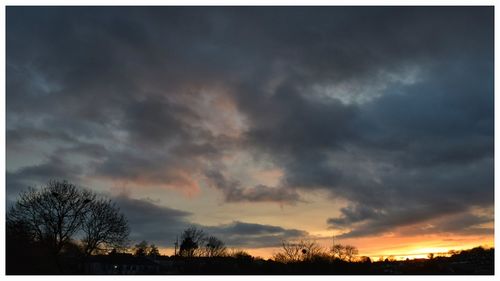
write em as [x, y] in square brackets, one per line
[260, 124]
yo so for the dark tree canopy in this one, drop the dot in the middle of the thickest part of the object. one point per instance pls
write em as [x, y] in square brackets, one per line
[192, 240]
[145, 249]
[141, 249]
[188, 247]
[59, 213]
[153, 251]
[52, 214]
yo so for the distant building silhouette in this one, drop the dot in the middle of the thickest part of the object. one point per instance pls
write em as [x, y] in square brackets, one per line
[120, 264]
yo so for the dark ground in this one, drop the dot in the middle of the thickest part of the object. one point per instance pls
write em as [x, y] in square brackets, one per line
[477, 261]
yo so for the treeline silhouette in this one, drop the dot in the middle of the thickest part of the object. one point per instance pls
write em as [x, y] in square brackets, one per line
[62, 229]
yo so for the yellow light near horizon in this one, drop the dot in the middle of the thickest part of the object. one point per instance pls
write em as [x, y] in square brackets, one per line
[429, 250]
[400, 248]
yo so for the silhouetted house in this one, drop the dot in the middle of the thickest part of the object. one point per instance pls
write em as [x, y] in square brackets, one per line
[120, 264]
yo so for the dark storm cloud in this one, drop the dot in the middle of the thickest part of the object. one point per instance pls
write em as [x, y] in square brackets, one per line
[250, 234]
[153, 121]
[403, 197]
[122, 78]
[93, 150]
[38, 174]
[160, 169]
[20, 135]
[152, 222]
[427, 222]
[235, 192]
[289, 123]
[463, 223]
[436, 142]
[126, 79]
[161, 225]
[468, 224]
[263, 193]
[353, 214]
[429, 142]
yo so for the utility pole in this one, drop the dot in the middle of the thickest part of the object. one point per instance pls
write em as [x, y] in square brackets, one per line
[176, 245]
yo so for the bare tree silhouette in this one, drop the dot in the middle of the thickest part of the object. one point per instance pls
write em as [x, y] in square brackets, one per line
[104, 227]
[52, 214]
[346, 253]
[192, 238]
[214, 247]
[141, 249]
[55, 214]
[303, 250]
[153, 251]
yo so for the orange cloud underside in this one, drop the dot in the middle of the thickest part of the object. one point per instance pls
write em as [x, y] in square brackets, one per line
[180, 180]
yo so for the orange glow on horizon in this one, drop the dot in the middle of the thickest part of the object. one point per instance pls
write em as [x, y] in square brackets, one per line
[402, 247]
[399, 248]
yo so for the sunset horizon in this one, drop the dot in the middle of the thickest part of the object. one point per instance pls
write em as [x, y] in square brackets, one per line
[367, 128]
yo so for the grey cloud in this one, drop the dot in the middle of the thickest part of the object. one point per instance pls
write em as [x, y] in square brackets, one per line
[124, 79]
[93, 150]
[426, 144]
[20, 135]
[391, 219]
[234, 191]
[262, 193]
[155, 121]
[422, 222]
[147, 169]
[35, 175]
[401, 198]
[467, 224]
[161, 225]
[150, 221]
[243, 234]
[461, 223]
[354, 214]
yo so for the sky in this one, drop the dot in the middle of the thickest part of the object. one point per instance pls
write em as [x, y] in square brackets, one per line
[261, 124]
